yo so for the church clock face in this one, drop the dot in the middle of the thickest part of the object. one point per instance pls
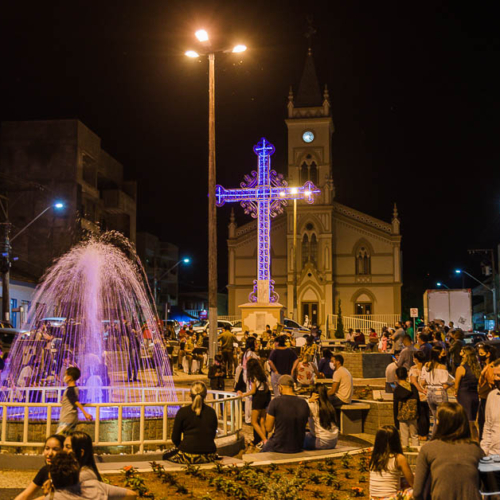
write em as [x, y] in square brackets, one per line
[308, 136]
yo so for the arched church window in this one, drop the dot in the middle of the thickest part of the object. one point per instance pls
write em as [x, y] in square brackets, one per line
[305, 249]
[313, 173]
[363, 262]
[304, 174]
[313, 250]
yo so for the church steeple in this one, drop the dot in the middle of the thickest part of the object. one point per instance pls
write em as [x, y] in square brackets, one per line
[309, 94]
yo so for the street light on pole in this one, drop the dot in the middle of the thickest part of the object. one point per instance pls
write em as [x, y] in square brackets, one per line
[204, 39]
[492, 290]
[185, 260]
[440, 284]
[7, 256]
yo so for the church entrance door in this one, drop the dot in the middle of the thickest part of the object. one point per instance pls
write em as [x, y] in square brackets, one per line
[310, 309]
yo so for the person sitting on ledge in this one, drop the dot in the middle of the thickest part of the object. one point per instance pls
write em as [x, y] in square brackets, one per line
[194, 431]
[287, 415]
[324, 432]
[66, 483]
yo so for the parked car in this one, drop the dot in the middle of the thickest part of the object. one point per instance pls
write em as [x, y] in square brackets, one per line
[203, 325]
[294, 328]
[473, 338]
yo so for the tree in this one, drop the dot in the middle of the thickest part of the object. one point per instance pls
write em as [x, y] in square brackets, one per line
[339, 332]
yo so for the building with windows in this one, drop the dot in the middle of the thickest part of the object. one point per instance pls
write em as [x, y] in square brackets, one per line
[341, 253]
[60, 160]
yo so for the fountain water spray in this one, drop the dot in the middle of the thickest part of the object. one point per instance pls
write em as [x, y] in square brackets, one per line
[93, 310]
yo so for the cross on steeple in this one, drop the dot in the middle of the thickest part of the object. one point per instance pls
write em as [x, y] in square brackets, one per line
[263, 194]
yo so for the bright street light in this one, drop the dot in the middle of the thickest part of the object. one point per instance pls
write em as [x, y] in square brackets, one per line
[207, 50]
[186, 260]
[438, 284]
[202, 35]
[458, 271]
[239, 48]
[59, 204]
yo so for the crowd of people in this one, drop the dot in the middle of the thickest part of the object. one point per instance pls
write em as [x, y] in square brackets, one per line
[291, 409]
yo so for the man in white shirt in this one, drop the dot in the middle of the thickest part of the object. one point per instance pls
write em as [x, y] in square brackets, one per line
[343, 386]
[490, 442]
[390, 375]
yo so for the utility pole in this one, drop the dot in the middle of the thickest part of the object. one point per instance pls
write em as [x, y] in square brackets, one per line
[6, 255]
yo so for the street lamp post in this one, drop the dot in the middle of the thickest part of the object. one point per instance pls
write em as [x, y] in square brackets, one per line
[7, 256]
[492, 290]
[185, 260]
[203, 38]
[440, 284]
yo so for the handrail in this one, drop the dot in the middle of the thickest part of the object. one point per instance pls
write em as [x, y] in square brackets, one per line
[226, 404]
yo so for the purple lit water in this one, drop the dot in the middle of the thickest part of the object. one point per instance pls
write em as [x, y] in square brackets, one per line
[107, 328]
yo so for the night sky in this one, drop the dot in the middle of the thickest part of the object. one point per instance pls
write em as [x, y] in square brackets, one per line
[413, 86]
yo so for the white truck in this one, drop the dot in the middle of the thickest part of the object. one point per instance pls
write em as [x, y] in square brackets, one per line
[449, 305]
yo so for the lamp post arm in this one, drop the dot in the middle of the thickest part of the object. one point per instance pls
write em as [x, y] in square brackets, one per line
[475, 279]
[29, 223]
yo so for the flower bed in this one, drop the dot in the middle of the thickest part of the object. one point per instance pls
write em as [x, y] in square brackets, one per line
[331, 479]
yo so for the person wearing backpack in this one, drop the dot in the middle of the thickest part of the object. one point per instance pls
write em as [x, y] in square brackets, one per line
[406, 408]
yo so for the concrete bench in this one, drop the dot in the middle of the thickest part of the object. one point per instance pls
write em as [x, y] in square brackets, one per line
[273, 457]
[351, 418]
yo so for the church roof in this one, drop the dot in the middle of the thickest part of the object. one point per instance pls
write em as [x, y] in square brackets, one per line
[309, 94]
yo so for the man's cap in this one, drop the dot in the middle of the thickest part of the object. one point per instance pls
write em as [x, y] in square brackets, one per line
[286, 380]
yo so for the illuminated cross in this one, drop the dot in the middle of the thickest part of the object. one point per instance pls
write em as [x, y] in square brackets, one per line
[263, 195]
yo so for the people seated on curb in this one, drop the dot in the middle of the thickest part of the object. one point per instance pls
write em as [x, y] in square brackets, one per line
[260, 393]
[195, 427]
[388, 465]
[53, 444]
[281, 360]
[342, 389]
[80, 444]
[406, 408]
[190, 357]
[449, 462]
[66, 484]
[287, 415]
[325, 364]
[304, 371]
[323, 431]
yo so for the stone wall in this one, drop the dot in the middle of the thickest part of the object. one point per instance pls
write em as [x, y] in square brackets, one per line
[367, 365]
[380, 413]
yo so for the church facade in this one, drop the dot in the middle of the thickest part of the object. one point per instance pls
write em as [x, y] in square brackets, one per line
[340, 253]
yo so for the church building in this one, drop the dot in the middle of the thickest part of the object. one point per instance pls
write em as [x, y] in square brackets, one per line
[341, 253]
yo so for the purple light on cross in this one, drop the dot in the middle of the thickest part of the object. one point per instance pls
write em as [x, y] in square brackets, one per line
[264, 194]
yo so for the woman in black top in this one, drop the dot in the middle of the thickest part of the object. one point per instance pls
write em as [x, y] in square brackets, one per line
[53, 444]
[466, 381]
[195, 427]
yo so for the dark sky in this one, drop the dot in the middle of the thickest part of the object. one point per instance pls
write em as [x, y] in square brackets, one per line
[413, 85]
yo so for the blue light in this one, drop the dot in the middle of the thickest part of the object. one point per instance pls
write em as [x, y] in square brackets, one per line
[264, 194]
[59, 205]
[438, 283]
[186, 260]
[458, 271]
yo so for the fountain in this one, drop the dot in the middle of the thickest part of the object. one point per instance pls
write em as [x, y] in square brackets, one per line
[92, 310]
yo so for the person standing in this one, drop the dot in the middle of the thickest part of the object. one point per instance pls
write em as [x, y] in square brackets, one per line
[342, 389]
[281, 361]
[424, 345]
[409, 330]
[437, 380]
[287, 414]
[423, 422]
[450, 461]
[406, 408]
[487, 355]
[466, 381]
[455, 349]
[490, 442]
[390, 375]
[406, 356]
[397, 338]
[227, 341]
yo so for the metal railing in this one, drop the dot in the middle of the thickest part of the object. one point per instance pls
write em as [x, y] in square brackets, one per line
[226, 404]
[363, 322]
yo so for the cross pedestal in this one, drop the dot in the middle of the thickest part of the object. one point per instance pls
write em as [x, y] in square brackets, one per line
[263, 194]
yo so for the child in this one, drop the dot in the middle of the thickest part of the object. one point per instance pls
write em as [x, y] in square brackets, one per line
[70, 403]
[217, 374]
[406, 407]
[387, 465]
